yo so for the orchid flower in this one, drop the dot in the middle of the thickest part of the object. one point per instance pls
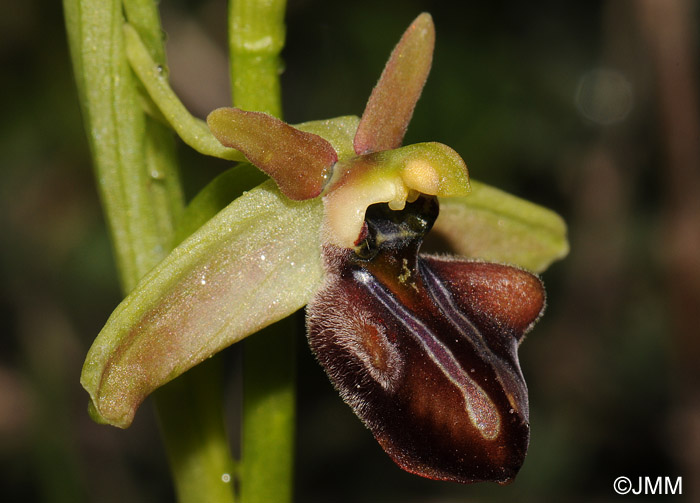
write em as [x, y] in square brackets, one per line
[423, 348]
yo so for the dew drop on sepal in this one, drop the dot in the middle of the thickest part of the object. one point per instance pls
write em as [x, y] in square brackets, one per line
[424, 348]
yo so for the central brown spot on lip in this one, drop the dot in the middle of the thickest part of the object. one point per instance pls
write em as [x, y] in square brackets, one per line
[371, 341]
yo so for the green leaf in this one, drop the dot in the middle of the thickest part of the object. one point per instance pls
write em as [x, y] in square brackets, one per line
[495, 226]
[133, 157]
[255, 262]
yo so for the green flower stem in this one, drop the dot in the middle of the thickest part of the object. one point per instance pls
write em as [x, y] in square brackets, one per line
[267, 458]
[256, 37]
[134, 160]
[192, 425]
[153, 75]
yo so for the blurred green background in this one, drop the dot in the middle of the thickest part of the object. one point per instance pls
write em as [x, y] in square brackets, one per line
[587, 107]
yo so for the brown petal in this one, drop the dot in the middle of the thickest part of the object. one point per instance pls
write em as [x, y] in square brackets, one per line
[299, 162]
[393, 99]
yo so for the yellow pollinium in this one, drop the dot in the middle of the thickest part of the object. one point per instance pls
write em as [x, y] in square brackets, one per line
[393, 177]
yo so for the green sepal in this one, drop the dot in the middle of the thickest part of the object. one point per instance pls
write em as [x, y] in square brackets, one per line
[216, 195]
[256, 262]
[495, 226]
[338, 131]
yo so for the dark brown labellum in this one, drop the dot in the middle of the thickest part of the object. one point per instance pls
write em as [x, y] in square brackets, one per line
[424, 349]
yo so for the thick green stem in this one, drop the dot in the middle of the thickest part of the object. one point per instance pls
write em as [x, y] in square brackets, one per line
[256, 37]
[267, 460]
[192, 424]
[135, 166]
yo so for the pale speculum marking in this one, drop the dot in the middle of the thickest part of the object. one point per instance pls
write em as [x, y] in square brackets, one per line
[512, 385]
[368, 342]
[481, 410]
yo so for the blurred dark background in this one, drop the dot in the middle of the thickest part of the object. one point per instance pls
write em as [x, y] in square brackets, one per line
[587, 107]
